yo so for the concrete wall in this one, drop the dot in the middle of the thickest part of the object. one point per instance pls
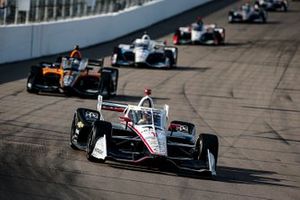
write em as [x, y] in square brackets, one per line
[20, 42]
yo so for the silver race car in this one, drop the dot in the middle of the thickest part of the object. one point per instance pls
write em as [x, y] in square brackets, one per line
[248, 13]
[143, 136]
[273, 5]
[145, 52]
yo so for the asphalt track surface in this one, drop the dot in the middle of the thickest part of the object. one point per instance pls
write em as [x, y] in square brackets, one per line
[247, 92]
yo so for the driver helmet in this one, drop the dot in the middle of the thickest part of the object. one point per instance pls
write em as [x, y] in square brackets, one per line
[146, 38]
[76, 47]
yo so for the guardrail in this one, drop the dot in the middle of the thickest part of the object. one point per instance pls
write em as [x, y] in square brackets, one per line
[36, 11]
[32, 40]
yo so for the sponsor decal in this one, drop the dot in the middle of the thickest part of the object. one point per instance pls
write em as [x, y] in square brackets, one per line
[80, 125]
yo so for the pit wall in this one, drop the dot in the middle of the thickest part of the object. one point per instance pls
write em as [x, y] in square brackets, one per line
[26, 41]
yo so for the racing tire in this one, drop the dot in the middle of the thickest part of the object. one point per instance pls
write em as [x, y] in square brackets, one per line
[30, 84]
[172, 61]
[100, 128]
[72, 133]
[207, 141]
[230, 18]
[284, 7]
[263, 17]
[176, 37]
[33, 78]
[105, 85]
[115, 57]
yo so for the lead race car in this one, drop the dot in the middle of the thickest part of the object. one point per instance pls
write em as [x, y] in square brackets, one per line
[273, 5]
[248, 13]
[142, 134]
[145, 52]
[199, 34]
[72, 76]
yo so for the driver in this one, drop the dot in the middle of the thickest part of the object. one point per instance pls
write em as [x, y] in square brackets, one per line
[199, 25]
[75, 53]
[145, 119]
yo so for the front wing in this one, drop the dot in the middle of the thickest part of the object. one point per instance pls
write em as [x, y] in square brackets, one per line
[145, 158]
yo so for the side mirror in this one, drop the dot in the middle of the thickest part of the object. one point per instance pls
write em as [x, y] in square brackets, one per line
[125, 119]
[172, 128]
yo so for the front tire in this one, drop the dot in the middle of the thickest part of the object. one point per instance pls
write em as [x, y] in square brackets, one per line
[100, 128]
[230, 18]
[30, 84]
[72, 133]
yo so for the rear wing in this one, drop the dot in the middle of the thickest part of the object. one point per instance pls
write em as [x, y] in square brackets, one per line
[111, 106]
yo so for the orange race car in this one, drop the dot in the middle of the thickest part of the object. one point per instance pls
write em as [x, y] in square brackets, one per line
[72, 76]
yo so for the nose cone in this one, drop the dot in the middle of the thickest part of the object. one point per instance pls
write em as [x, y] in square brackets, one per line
[155, 140]
[141, 55]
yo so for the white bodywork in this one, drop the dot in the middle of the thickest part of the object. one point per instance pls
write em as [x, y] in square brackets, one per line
[142, 48]
[197, 34]
[151, 131]
[100, 150]
[149, 124]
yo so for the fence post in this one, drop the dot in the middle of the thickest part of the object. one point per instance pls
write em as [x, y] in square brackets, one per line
[71, 9]
[63, 9]
[4, 14]
[37, 10]
[16, 14]
[54, 9]
[46, 11]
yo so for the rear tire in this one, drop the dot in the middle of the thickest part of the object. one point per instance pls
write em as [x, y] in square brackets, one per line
[284, 7]
[104, 85]
[207, 141]
[100, 128]
[191, 127]
[230, 18]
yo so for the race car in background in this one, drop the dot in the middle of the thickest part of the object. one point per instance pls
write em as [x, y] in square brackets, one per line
[209, 34]
[145, 52]
[248, 13]
[143, 136]
[273, 5]
[72, 76]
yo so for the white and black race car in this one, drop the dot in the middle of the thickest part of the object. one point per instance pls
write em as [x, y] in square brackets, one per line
[248, 13]
[273, 5]
[208, 34]
[145, 52]
[143, 136]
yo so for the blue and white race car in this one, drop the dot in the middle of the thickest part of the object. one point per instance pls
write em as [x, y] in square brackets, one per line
[145, 52]
[143, 136]
[248, 13]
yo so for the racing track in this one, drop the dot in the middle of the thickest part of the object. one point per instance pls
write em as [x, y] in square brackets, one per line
[247, 92]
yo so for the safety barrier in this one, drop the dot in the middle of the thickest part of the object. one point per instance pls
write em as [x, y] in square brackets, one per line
[20, 42]
[36, 11]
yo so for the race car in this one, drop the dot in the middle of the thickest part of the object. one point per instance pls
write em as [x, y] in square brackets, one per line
[248, 13]
[209, 34]
[72, 76]
[142, 136]
[273, 5]
[146, 53]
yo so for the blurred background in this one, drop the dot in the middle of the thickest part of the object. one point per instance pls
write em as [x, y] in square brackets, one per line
[36, 11]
